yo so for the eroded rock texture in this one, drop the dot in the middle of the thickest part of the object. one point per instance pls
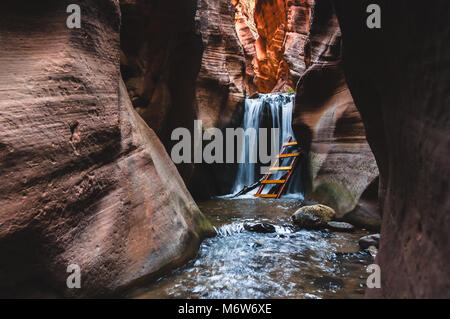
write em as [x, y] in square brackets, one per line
[83, 179]
[160, 60]
[182, 61]
[399, 79]
[341, 165]
[220, 87]
[273, 34]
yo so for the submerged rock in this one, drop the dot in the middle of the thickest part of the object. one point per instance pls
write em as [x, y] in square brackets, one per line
[341, 226]
[373, 251]
[370, 240]
[313, 217]
[328, 283]
[258, 243]
[260, 228]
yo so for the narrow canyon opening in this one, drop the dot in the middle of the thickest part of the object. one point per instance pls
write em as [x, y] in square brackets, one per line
[90, 180]
[251, 65]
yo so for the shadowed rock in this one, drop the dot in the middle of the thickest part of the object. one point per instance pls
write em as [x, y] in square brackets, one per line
[369, 240]
[404, 105]
[260, 228]
[83, 180]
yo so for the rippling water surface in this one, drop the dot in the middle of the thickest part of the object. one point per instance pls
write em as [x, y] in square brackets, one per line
[285, 264]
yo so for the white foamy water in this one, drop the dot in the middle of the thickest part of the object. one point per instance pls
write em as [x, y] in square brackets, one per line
[274, 109]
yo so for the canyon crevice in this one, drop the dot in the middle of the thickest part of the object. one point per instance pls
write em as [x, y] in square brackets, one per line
[87, 114]
[273, 35]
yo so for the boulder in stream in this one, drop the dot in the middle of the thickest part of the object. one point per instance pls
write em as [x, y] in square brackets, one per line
[370, 240]
[341, 226]
[260, 228]
[313, 217]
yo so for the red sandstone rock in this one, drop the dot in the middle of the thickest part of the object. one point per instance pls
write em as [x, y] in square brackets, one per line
[341, 165]
[247, 34]
[161, 58]
[274, 49]
[399, 79]
[182, 61]
[83, 179]
[220, 86]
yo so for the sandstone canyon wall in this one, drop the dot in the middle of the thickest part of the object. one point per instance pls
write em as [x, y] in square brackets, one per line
[182, 61]
[299, 42]
[83, 179]
[161, 57]
[220, 87]
[399, 76]
[273, 35]
[341, 166]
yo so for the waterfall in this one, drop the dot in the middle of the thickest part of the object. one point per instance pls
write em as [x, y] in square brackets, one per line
[267, 111]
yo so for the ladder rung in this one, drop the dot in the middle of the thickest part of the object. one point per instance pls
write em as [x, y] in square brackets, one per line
[288, 155]
[290, 144]
[274, 181]
[266, 195]
[286, 168]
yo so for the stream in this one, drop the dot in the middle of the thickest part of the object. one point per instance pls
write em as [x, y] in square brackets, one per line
[285, 264]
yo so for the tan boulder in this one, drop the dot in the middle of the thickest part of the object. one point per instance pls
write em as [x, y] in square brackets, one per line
[313, 217]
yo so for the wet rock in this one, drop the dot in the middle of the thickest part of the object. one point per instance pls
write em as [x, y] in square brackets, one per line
[313, 217]
[328, 283]
[341, 226]
[258, 243]
[260, 228]
[370, 240]
[373, 251]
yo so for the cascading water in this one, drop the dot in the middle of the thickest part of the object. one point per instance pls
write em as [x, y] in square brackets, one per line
[281, 261]
[286, 263]
[267, 111]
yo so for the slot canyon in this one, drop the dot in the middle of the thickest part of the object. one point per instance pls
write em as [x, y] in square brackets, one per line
[87, 117]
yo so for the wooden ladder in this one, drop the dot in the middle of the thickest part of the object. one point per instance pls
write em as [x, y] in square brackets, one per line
[274, 168]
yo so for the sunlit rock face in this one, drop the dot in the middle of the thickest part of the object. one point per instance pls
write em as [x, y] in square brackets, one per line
[220, 87]
[83, 180]
[341, 165]
[399, 79]
[273, 35]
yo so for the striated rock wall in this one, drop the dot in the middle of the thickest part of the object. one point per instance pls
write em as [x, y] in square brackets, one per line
[399, 79]
[220, 87]
[160, 60]
[341, 165]
[182, 61]
[269, 47]
[83, 180]
[273, 34]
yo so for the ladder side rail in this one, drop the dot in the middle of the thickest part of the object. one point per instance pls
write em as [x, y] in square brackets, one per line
[261, 188]
[294, 164]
